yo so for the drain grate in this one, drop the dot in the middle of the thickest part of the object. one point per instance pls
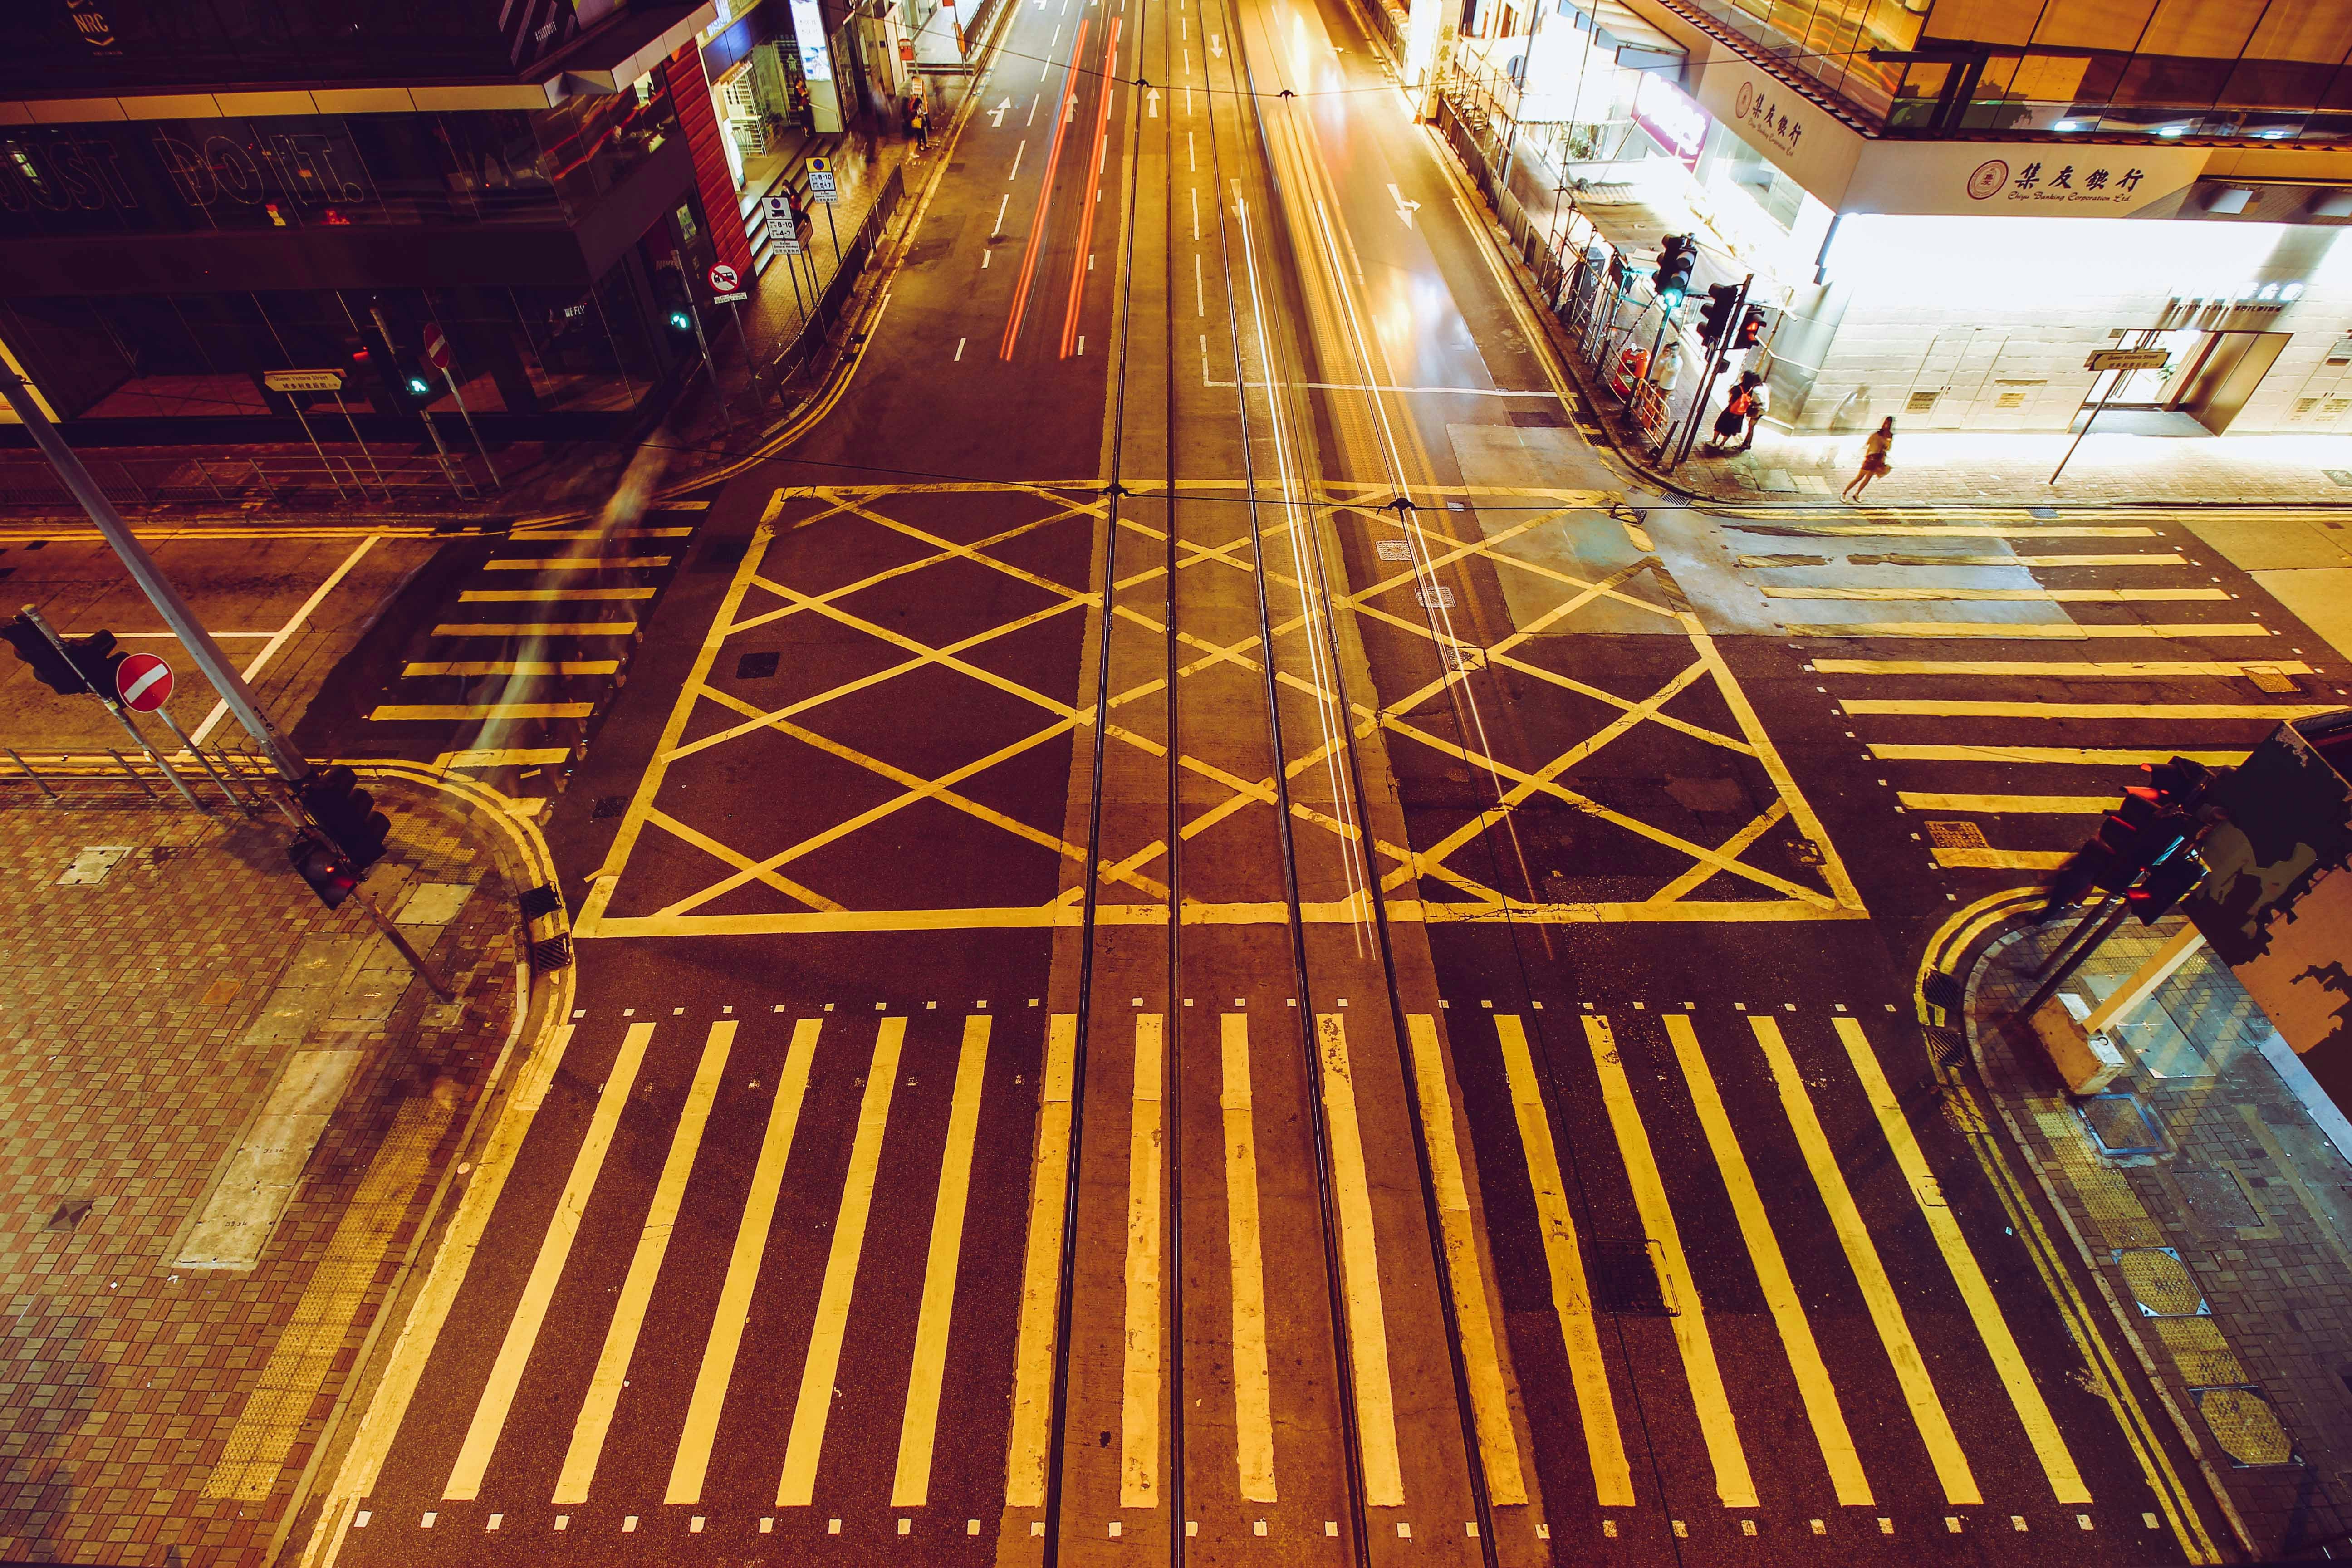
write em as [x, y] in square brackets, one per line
[1625, 1280]
[2244, 1425]
[540, 900]
[1392, 549]
[1956, 835]
[756, 666]
[2217, 1199]
[608, 806]
[2160, 1283]
[1435, 598]
[1462, 658]
[2121, 1125]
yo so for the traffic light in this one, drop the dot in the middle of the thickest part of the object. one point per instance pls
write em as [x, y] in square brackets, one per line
[50, 667]
[2165, 885]
[2179, 784]
[415, 383]
[88, 661]
[1677, 254]
[347, 814]
[669, 288]
[1751, 329]
[324, 869]
[1715, 316]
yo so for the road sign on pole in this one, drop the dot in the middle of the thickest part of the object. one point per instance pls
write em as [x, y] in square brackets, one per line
[726, 287]
[143, 682]
[2126, 359]
[821, 186]
[437, 346]
[302, 380]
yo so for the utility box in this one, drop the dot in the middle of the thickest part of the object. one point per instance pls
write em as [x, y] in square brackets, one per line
[2086, 1063]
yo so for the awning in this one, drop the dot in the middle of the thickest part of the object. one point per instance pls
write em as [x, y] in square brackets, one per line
[1638, 45]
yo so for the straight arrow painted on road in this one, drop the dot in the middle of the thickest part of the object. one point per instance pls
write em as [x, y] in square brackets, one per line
[999, 111]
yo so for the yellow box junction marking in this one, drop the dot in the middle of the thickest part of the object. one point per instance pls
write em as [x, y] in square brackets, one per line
[759, 597]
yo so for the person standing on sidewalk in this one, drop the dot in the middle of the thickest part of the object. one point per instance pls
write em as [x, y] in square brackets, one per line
[1757, 406]
[1874, 460]
[1736, 411]
[918, 120]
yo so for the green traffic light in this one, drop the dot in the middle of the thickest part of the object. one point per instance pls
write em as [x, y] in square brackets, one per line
[680, 321]
[418, 387]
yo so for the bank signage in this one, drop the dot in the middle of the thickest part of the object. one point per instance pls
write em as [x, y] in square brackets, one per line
[1796, 135]
[2020, 179]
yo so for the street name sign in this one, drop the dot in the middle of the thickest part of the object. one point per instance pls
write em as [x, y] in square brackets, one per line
[821, 189]
[2126, 359]
[143, 682]
[302, 380]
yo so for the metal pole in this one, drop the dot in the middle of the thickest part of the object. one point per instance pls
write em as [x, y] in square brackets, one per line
[42, 783]
[2065, 971]
[299, 419]
[207, 653]
[1715, 359]
[447, 471]
[132, 774]
[793, 270]
[836, 237]
[693, 315]
[417, 960]
[202, 761]
[372, 465]
[121, 718]
[2093, 419]
[750, 362]
[450, 374]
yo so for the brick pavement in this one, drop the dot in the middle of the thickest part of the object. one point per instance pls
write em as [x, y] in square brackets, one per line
[134, 1050]
[2219, 1215]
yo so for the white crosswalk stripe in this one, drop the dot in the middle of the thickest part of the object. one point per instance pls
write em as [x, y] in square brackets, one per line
[2015, 752]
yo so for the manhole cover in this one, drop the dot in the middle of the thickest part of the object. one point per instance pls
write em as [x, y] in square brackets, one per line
[1626, 1280]
[721, 555]
[91, 863]
[608, 806]
[2243, 1423]
[1956, 835]
[2160, 1282]
[1454, 658]
[2217, 1199]
[1393, 549]
[2121, 1125]
[756, 666]
[1435, 598]
[2198, 1350]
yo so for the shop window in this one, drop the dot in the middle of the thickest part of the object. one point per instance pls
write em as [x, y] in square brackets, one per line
[2277, 84]
[1984, 21]
[593, 143]
[2091, 24]
[2173, 80]
[2199, 29]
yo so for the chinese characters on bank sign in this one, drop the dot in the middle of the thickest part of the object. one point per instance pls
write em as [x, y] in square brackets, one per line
[1771, 119]
[2069, 183]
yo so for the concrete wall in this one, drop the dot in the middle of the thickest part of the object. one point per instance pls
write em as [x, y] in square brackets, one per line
[1994, 317]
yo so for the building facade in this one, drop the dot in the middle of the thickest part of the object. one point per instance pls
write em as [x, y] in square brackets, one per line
[1953, 204]
[191, 197]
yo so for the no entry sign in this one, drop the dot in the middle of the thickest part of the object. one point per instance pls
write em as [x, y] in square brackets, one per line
[143, 682]
[437, 347]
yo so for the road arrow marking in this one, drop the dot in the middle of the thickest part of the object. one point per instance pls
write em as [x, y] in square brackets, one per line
[1404, 208]
[1152, 100]
[1216, 48]
[999, 111]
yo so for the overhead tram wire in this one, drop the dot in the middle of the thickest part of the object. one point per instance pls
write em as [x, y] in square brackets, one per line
[1065, 1302]
[1342, 1353]
[1474, 1455]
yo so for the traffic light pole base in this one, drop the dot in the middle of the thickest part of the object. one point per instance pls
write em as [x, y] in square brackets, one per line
[417, 960]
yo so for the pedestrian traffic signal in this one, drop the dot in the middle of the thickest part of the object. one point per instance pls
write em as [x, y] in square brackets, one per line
[324, 869]
[347, 814]
[2149, 832]
[1751, 329]
[2165, 885]
[669, 288]
[2179, 784]
[1677, 254]
[49, 667]
[1715, 316]
[415, 383]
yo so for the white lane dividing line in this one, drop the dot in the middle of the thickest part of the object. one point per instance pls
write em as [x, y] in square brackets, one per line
[1204, 360]
[1199, 294]
[998, 228]
[1192, 155]
[278, 638]
[1196, 213]
[1032, 103]
[1015, 172]
[1049, 47]
[960, 342]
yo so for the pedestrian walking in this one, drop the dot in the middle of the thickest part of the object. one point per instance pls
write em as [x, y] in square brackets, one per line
[1759, 404]
[1734, 417]
[1873, 458]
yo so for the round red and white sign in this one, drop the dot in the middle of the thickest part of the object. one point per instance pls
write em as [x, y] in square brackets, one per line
[143, 682]
[723, 280]
[437, 347]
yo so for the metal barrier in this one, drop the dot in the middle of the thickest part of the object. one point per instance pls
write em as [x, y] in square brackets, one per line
[207, 781]
[805, 356]
[29, 481]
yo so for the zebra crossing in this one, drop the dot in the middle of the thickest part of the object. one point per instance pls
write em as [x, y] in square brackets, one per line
[1761, 1315]
[510, 677]
[793, 1276]
[2010, 752]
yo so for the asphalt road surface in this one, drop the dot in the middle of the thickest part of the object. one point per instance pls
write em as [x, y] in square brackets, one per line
[1523, 1143]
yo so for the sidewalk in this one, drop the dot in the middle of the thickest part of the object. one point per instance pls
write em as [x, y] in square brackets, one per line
[2205, 1193]
[225, 1114]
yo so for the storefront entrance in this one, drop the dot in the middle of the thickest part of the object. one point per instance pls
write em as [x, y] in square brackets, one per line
[2206, 375]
